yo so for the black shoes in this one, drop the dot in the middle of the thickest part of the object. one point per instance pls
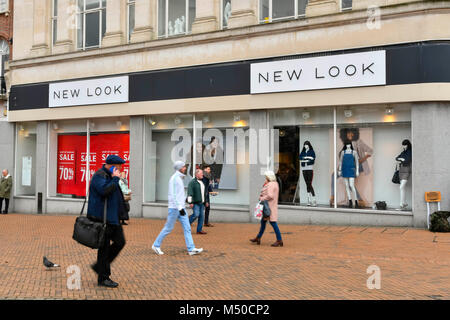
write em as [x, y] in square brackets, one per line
[124, 223]
[350, 204]
[5, 212]
[108, 283]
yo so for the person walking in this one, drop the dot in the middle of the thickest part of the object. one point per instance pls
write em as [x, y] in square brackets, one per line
[123, 183]
[177, 200]
[105, 190]
[269, 192]
[5, 190]
[197, 200]
[207, 182]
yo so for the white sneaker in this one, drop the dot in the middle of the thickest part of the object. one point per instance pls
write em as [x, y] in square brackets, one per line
[195, 251]
[157, 250]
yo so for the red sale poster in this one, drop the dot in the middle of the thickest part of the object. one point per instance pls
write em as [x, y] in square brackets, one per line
[72, 158]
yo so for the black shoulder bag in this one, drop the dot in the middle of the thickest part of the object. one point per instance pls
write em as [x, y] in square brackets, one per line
[90, 233]
[396, 176]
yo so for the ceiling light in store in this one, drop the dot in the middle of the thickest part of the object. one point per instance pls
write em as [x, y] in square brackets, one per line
[389, 111]
[177, 120]
[236, 117]
[348, 113]
[306, 115]
[55, 126]
[21, 128]
[151, 121]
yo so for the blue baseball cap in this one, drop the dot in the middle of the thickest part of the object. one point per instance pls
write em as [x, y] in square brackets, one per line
[113, 159]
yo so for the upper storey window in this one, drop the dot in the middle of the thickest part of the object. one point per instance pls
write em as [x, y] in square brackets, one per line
[91, 23]
[275, 10]
[175, 17]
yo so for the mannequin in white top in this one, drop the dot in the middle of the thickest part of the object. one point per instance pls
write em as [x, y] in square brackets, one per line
[349, 170]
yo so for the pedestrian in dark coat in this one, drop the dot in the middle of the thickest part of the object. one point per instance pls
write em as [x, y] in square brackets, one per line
[5, 190]
[105, 189]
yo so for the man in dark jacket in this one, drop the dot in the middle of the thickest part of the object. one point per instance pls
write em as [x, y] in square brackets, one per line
[5, 190]
[206, 181]
[197, 199]
[105, 188]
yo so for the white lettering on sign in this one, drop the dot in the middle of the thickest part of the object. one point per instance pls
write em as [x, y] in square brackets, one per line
[337, 71]
[87, 92]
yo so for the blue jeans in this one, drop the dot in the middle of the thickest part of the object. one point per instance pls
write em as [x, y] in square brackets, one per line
[173, 216]
[274, 226]
[199, 212]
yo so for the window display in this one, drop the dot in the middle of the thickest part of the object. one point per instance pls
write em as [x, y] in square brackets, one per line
[217, 144]
[72, 158]
[175, 17]
[25, 175]
[353, 142]
[67, 154]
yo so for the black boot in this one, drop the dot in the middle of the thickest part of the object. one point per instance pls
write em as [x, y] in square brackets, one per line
[350, 204]
[356, 203]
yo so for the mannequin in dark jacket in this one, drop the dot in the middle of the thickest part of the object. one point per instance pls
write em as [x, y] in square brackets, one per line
[105, 187]
[405, 163]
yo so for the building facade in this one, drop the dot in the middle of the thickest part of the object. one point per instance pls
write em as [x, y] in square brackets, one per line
[240, 85]
[6, 35]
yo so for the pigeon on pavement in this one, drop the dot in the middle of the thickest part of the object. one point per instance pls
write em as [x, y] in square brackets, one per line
[48, 264]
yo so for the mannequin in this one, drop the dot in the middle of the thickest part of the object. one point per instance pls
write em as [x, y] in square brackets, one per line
[405, 162]
[349, 170]
[307, 158]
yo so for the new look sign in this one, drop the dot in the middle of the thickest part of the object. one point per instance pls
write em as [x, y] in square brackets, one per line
[88, 92]
[327, 72]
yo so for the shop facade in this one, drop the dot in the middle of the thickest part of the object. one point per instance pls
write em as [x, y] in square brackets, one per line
[253, 92]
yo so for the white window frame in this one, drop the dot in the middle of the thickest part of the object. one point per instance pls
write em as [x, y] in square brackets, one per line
[5, 9]
[166, 32]
[54, 20]
[84, 12]
[129, 4]
[221, 15]
[295, 16]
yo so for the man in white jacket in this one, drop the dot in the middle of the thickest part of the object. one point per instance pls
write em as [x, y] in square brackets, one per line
[177, 200]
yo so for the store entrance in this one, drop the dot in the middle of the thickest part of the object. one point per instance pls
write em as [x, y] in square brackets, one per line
[288, 171]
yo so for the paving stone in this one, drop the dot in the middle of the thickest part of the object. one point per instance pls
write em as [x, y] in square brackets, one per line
[316, 262]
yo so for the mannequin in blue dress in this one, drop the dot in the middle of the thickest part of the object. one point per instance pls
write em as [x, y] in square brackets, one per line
[349, 170]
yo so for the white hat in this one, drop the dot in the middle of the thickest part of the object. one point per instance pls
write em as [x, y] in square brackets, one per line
[178, 165]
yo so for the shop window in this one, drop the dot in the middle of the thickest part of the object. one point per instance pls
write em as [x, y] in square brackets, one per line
[72, 158]
[219, 137]
[374, 136]
[275, 10]
[131, 4]
[91, 23]
[226, 13]
[306, 181]
[175, 17]
[25, 174]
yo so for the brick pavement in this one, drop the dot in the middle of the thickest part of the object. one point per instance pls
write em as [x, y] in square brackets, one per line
[316, 262]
